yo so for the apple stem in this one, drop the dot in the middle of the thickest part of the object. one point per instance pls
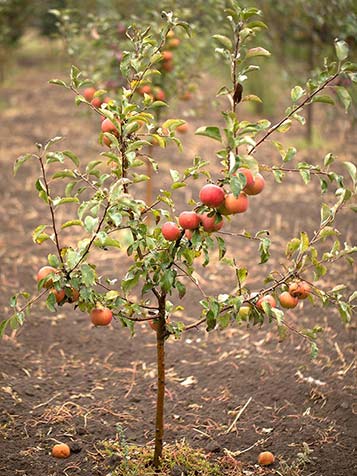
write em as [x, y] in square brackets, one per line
[160, 398]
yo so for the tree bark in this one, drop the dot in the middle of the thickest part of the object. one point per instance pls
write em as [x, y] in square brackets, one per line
[160, 398]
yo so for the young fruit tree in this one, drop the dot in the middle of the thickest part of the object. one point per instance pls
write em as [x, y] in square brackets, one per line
[165, 255]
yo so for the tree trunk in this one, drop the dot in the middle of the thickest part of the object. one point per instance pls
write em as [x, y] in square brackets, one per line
[160, 399]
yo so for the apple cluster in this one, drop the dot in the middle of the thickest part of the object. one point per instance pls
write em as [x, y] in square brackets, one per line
[288, 299]
[100, 316]
[220, 202]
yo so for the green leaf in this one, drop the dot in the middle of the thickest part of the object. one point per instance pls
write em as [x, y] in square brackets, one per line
[241, 275]
[264, 250]
[90, 223]
[175, 175]
[285, 126]
[66, 173]
[224, 41]
[258, 51]
[51, 302]
[59, 82]
[291, 247]
[325, 214]
[323, 98]
[20, 161]
[130, 281]
[278, 314]
[3, 326]
[304, 242]
[329, 159]
[38, 236]
[172, 124]
[88, 275]
[75, 73]
[71, 156]
[167, 280]
[60, 201]
[314, 350]
[278, 175]
[177, 185]
[221, 246]
[344, 97]
[341, 49]
[53, 261]
[352, 170]
[235, 185]
[209, 131]
[296, 93]
[290, 154]
[256, 24]
[305, 175]
[181, 289]
[252, 97]
[72, 223]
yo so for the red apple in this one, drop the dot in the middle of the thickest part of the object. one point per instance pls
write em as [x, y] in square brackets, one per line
[154, 324]
[88, 93]
[186, 96]
[287, 300]
[96, 102]
[74, 295]
[101, 316]
[268, 298]
[189, 220]
[173, 42]
[233, 205]
[209, 222]
[59, 295]
[167, 55]
[159, 94]
[168, 66]
[300, 289]
[248, 176]
[183, 128]
[108, 126]
[257, 187]
[45, 271]
[188, 234]
[170, 231]
[212, 195]
[266, 458]
[146, 89]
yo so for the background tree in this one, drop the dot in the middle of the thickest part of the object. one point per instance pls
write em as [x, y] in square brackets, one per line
[13, 17]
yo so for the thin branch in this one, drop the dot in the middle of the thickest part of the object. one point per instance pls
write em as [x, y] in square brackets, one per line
[144, 306]
[86, 251]
[282, 169]
[148, 66]
[294, 110]
[241, 235]
[196, 283]
[40, 158]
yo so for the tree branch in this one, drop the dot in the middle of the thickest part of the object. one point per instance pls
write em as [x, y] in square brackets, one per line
[291, 113]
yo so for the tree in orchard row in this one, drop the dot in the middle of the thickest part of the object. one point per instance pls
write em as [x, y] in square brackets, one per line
[108, 36]
[165, 255]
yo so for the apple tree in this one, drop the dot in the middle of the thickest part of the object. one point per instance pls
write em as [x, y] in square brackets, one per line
[165, 255]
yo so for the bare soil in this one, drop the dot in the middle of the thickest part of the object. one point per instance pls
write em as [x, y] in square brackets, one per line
[63, 381]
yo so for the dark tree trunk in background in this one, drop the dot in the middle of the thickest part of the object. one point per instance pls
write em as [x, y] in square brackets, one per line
[310, 110]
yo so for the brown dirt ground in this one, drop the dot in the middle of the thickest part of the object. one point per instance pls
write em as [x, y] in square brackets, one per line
[62, 380]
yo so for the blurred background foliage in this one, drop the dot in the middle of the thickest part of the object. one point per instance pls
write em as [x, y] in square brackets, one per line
[300, 34]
